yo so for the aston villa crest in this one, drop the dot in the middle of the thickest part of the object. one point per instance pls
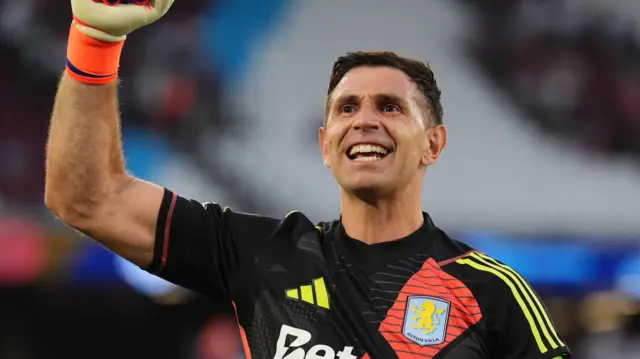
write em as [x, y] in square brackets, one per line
[425, 320]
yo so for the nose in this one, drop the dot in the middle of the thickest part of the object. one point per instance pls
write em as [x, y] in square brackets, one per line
[366, 120]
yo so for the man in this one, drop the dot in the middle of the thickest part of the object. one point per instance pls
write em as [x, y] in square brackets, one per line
[381, 282]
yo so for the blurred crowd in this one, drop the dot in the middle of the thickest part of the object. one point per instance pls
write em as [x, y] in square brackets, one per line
[58, 293]
[166, 65]
[573, 69]
[575, 72]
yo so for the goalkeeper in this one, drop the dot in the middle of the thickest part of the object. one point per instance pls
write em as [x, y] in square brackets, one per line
[381, 282]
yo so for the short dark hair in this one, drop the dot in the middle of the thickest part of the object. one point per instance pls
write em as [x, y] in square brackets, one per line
[417, 70]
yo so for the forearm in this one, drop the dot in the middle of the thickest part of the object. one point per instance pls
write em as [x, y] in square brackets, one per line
[86, 182]
[84, 164]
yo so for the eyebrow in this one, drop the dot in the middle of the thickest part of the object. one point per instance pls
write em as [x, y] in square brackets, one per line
[379, 97]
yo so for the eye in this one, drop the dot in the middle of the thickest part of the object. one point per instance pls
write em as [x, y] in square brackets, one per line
[390, 108]
[347, 108]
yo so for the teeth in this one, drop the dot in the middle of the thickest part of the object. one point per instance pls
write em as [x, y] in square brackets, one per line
[368, 149]
[367, 158]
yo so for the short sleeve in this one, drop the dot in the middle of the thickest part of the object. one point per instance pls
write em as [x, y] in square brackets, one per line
[521, 322]
[204, 247]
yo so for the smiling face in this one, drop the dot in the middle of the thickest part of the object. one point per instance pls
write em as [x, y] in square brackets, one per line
[378, 136]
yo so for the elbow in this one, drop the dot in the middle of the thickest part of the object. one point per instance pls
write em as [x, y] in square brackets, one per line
[78, 206]
[52, 201]
[65, 210]
[68, 208]
[56, 197]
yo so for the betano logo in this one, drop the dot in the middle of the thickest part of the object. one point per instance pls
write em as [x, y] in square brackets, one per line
[314, 293]
[291, 340]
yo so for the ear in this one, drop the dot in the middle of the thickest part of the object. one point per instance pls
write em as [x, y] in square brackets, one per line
[323, 146]
[435, 140]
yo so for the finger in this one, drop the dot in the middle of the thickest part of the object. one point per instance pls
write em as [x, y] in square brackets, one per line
[118, 19]
[162, 6]
[116, 2]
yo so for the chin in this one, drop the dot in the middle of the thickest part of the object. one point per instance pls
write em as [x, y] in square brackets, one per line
[367, 190]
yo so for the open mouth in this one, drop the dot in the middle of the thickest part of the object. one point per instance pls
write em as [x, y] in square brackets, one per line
[367, 152]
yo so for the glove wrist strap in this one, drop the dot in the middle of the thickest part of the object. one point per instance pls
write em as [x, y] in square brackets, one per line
[92, 61]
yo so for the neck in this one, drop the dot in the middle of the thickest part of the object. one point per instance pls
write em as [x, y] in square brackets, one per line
[385, 220]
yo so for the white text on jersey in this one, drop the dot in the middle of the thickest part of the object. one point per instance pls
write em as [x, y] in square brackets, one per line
[302, 337]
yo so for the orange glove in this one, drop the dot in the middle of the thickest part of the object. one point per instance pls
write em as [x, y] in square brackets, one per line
[98, 32]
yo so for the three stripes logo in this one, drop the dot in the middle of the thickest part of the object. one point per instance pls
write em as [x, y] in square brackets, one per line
[531, 307]
[314, 293]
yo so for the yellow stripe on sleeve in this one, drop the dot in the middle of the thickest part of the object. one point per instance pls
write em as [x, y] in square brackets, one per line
[516, 295]
[540, 306]
[526, 295]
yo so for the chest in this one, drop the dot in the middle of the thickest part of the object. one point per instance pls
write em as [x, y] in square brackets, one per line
[416, 309]
[330, 308]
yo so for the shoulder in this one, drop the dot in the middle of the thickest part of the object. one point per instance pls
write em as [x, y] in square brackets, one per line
[515, 315]
[297, 224]
[225, 220]
[494, 284]
[491, 276]
[489, 279]
[294, 229]
[471, 266]
[292, 222]
[257, 229]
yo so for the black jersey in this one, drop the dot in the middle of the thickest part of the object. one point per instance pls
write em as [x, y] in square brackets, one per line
[302, 290]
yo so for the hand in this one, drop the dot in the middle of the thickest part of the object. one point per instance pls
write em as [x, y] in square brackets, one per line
[112, 23]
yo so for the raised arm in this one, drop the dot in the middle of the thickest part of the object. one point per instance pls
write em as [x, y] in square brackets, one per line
[198, 246]
[86, 182]
[195, 245]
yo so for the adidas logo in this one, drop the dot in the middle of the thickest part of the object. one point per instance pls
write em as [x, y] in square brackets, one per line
[314, 293]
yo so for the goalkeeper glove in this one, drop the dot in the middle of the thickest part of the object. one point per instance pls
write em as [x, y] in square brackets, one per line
[98, 33]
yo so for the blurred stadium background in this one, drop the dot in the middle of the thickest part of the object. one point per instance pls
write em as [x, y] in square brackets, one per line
[222, 100]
